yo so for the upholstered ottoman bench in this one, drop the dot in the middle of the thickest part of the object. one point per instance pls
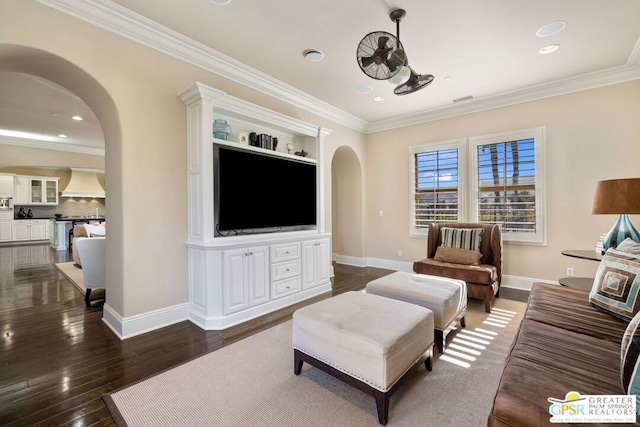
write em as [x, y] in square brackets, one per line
[447, 298]
[369, 342]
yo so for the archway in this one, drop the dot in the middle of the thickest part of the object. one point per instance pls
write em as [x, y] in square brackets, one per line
[347, 207]
[23, 59]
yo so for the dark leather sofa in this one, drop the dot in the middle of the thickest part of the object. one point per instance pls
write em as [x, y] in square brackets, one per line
[563, 344]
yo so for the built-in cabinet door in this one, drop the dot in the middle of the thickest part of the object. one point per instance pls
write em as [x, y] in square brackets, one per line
[235, 284]
[258, 275]
[6, 230]
[22, 230]
[22, 190]
[51, 191]
[36, 191]
[38, 229]
[6, 186]
[315, 263]
[246, 278]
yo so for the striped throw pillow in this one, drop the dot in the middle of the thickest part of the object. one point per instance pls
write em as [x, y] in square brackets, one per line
[616, 288]
[465, 238]
[629, 360]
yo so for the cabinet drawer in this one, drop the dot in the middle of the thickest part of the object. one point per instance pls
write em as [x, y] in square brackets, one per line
[284, 270]
[8, 215]
[285, 287]
[285, 252]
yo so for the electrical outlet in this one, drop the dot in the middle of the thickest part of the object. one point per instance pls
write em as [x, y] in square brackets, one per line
[569, 271]
[399, 253]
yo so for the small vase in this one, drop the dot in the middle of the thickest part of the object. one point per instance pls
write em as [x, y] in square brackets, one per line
[221, 129]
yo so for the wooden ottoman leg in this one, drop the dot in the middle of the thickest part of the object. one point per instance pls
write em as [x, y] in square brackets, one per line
[439, 336]
[463, 322]
[297, 362]
[382, 404]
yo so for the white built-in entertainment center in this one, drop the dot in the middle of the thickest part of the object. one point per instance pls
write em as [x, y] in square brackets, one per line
[239, 275]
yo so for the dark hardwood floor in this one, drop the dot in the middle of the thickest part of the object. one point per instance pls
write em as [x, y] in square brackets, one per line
[57, 358]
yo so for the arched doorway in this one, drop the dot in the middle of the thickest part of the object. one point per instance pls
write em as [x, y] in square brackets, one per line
[27, 60]
[347, 207]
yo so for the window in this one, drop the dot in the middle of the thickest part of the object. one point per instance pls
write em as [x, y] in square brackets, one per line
[509, 183]
[435, 185]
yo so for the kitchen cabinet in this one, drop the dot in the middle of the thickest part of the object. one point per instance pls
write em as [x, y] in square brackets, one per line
[21, 194]
[6, 186]
[315, 263]
[246, 278]
[6, 226]
[30, 229]
[34, 190]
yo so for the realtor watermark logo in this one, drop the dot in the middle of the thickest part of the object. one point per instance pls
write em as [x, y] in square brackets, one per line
[577, 408]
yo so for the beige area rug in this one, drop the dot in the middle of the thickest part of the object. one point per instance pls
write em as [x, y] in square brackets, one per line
[72, 273]
[251, 383]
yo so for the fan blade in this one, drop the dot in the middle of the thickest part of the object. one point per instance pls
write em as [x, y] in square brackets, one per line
[382, 42]
[366, 61]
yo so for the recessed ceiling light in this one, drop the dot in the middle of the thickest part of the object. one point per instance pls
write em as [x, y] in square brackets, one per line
[62, 135]
[551, 29]
[378, 98]
[364, 89]
[220, 2]
[549, 49]
[77, 118]
[446, 78]
[313, 55]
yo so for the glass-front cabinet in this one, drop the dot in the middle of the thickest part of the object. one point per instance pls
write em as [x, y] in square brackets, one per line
[43, 191]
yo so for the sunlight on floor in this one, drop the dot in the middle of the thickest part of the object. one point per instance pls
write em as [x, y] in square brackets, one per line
[467, 344]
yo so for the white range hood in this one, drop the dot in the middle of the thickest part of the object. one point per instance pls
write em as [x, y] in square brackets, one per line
[83, 183]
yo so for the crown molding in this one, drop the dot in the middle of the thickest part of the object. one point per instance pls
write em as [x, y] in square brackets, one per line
[614, 75]
[122, 21]
[49, 145]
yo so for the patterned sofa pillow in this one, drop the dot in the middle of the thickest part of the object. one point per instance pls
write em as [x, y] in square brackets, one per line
[465, 238]
[630, 361]
[616, 287]
[629, 246]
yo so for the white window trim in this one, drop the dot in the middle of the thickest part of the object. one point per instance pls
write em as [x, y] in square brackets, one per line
[458, 144]
[539, 134]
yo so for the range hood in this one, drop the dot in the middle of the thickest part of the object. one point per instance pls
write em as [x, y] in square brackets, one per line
[83, 183]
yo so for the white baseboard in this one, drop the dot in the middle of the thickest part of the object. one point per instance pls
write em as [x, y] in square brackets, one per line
[146, 322]
[508, 281]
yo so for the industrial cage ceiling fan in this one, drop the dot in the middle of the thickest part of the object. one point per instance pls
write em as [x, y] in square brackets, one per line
[381, 56]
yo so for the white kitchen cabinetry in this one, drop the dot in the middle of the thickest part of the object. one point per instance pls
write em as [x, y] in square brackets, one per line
[221, 294]
[21, 195]
[34, 190]
[246, 278]
[30, 229]
[6, 226]
[315, 263]
[6, 186]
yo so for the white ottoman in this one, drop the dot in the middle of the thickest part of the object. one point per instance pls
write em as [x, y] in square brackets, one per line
[369, 342]
[447, 298]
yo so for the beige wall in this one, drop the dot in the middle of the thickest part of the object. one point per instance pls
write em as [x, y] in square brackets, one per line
[133, 91]
[590, 136]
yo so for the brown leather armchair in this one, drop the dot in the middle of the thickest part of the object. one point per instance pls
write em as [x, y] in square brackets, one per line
[483, 281]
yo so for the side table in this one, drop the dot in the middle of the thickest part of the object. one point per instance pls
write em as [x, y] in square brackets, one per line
[584, 283]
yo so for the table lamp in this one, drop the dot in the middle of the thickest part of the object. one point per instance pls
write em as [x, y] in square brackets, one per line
[618, 196]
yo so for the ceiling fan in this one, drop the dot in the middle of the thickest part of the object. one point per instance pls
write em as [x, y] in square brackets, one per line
[381, 56]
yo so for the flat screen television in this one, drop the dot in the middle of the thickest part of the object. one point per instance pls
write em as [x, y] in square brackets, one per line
[257, 192]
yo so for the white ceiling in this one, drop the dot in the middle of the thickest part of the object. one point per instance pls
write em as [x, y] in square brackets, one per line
[486, 48]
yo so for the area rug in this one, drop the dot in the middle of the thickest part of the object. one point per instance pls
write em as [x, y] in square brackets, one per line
[251, 383]
[73, 273]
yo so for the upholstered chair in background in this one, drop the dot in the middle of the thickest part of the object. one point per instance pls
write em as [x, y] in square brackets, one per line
[92, 255]
[482, 273]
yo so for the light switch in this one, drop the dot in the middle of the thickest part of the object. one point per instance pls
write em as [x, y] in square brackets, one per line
[380, 213]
